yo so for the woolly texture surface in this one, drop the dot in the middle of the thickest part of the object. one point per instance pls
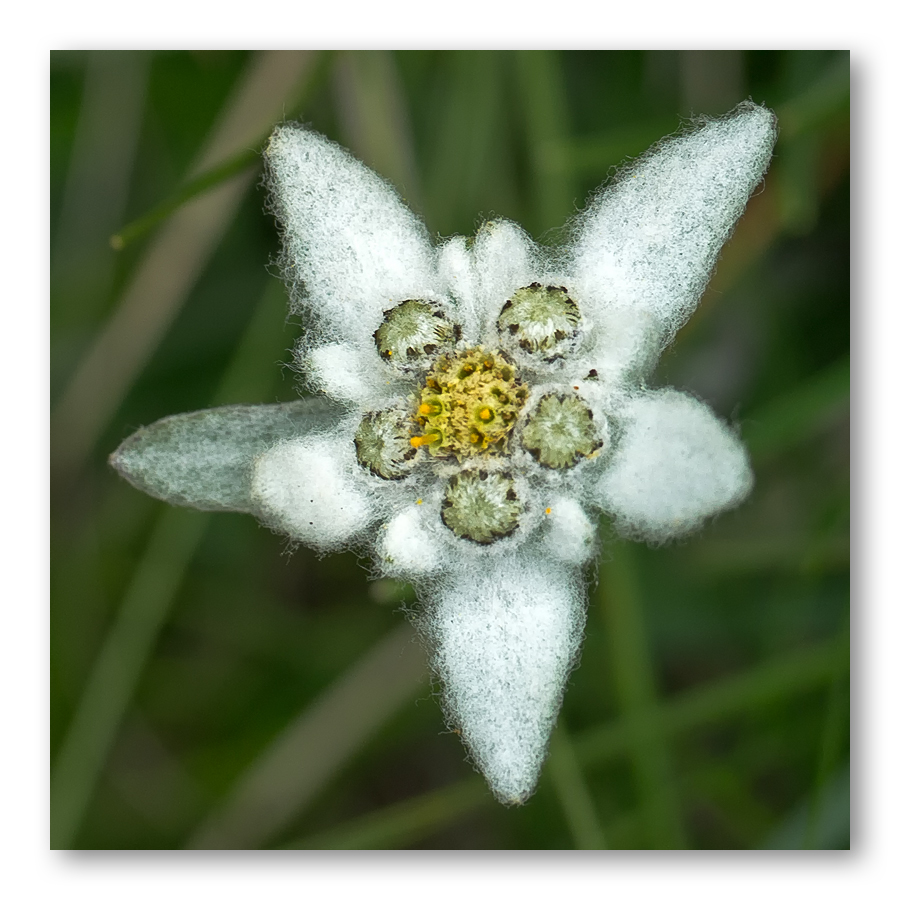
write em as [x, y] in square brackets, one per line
[505, 259]
[350, 244]
[204, 459]
[408, 545]
[648, 243]
[570, 533]
[483, 489]
[676, 464]
[300, 488]
[504, 641]
[345, 373]
[457, 278]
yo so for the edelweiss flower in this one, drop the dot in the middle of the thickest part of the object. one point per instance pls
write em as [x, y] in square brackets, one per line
[483, 402]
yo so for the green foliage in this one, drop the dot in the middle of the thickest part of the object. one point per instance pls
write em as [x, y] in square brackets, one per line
[203, 679]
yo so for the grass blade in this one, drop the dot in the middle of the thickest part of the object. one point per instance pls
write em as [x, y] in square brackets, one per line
[144, 609]
[541, 85]
[411, 821]
[572, 790]
[97, 183]
[402, 824]
[289, 773]
[796, 415]
[777, 679]
[834, 729]
[117, 670]
[374, 117]
[633, 673]
[225, 171]
[172, 264]
[832, 830]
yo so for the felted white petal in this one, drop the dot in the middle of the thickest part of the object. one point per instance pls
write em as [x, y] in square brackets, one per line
[348, 373]
[506, 259]
[351, 247]
[673, 464]
[306, 489]
[456, 277]
[205, 459]
[505, 635]
[408, 546]
[646, 246]
[570, 536]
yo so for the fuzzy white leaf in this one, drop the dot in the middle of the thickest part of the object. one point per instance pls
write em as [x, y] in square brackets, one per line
[204, 459]
[505, 636]
[456, 277]
[305, 489]
[570, 535]
[675, 464]
[351, 247]
[408, 546]
[506, 259]
[647, 244]
[349, 373]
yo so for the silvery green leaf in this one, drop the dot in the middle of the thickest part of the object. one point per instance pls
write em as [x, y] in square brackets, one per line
[204, 459]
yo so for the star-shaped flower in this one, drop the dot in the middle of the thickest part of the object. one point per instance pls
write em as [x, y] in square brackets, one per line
[482, 403]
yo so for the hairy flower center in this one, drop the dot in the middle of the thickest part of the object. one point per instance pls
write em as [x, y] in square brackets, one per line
[469, 404]
[481, 506]
[541, 319]
[413, 330]
[562, 430]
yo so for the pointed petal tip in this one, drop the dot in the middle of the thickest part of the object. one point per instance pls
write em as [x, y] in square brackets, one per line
[350, 243]
[116, 459]
[505, 638]
[510, 759]
[122, 459]
[516, 786]
[515, 798]
[761, 119]
[645, 247]
[749, 108]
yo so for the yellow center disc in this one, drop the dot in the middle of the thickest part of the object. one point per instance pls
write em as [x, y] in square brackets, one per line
[469, 404]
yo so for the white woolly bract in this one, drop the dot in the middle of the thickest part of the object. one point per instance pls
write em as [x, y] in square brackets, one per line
[408, 547]
[456, 277]
[349, 373]
[570, 533]
[675, 464]
[301, 488]
[647, 244]
[505, 260]
[351, 247]
[505, 637]
[205, 458]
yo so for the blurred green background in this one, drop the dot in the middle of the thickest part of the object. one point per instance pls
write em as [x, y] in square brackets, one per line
[207, 689]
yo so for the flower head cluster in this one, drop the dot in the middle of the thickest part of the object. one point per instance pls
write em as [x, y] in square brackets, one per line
[482, 403]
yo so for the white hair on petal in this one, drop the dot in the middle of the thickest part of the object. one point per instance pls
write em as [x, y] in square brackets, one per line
[505, 636]
[570, 535]
[204, 459]
[303, 488]
[348, 373]
[351, 247]
[506, 259]
[624, 344]
[649, 241]
[675, 464]
[408, 546]
[456, 276]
